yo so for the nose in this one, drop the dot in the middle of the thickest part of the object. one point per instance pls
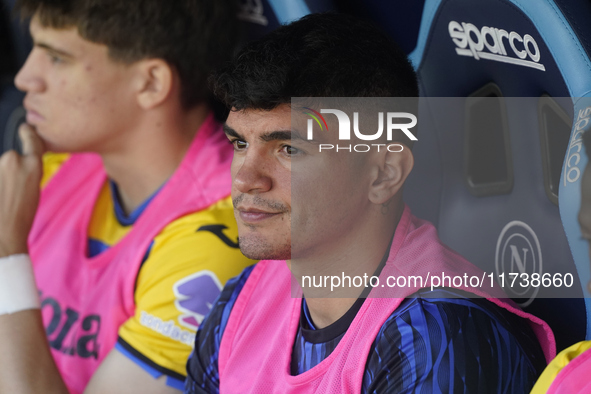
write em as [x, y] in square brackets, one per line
[29, 78]
[253, 173]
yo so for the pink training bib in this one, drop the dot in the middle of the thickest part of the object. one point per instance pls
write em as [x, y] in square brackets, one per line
[255, 351]
[574, 377]
[86, 300]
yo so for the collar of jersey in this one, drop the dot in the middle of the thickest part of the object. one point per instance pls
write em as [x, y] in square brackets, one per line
[122, 218]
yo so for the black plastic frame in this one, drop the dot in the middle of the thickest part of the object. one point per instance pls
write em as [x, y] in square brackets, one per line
[547, 101]
[493, 188]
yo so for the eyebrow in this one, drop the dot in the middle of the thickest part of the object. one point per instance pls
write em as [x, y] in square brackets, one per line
[279, 135]
[51, 49]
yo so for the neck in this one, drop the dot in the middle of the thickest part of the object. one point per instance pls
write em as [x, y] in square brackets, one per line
[357, 255]
[147, 156]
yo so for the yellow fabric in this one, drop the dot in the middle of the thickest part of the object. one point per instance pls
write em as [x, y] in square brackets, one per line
[178, 252]
[51, 163]
[104, 225]
[556, 365]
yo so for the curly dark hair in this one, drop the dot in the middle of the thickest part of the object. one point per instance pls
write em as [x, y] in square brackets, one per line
[193, 36]
[320, 55]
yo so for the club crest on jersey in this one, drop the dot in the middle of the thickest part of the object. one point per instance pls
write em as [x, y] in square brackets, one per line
[195, 295]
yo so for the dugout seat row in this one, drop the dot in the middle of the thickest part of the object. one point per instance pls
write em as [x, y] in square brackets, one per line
[498, 161]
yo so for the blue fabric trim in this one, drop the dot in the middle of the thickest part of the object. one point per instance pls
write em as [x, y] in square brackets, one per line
[148, 252]
[122, 218]
[152, 371]
[429, 11]
[307, 315]
[96, 247]
[563, 43]
[235, 293]
[170, 381]
[289, 11]
[175, 383]
[569, 204]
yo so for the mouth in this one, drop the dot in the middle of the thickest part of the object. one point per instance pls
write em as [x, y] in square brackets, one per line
[33, 117]
[255, 215]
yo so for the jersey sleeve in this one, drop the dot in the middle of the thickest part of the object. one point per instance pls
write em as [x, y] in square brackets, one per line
[187, 265]
[202, 367]
[562, 360]
[453, 346]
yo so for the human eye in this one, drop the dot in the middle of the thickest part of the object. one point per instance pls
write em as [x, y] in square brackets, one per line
[55, 59]
[239, 145]
[291, 151]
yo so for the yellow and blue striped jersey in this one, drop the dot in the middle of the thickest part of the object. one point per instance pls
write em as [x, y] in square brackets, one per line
[183, 272]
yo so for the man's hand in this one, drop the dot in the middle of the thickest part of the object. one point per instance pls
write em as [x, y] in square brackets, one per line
[20, 178]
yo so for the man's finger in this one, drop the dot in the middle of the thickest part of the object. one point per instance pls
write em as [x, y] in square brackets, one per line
[32, 144]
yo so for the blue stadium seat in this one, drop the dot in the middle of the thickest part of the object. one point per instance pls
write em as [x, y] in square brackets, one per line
[398, 18]
[262, 16]
[491, 169]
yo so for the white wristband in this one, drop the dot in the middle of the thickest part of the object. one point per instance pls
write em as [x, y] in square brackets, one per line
[18, 291]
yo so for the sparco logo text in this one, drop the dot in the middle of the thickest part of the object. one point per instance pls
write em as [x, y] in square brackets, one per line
[495, 44]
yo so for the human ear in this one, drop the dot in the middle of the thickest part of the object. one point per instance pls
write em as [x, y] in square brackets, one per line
[155, 79]
[391, 170]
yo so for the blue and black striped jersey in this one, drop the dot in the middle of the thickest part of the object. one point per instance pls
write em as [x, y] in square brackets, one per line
[435, 341]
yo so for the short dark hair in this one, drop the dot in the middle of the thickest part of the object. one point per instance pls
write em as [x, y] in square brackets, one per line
[320, 55]
[193, 36]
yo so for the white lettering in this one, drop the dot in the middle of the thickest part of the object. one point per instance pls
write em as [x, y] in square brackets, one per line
[512, 37]
[487, 43]
[404, 127]
[500, 35]
[527, 40]
[475, 46]
[571, 170]
[490, 31]
[396, 145]
[457, 34]
[344, 123]
[372, 136]
[355, 148]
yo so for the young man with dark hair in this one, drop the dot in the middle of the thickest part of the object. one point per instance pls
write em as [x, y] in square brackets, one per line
[134, 234]
[330, 211]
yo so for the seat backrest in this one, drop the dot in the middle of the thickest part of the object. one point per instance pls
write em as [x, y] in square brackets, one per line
[503, 81]
[262, 16]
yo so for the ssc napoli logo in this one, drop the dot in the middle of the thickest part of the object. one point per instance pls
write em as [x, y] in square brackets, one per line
[195, 296]
[519, 252]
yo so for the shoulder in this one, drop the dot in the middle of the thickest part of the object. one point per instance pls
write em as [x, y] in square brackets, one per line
[436, 340]
[183, 274]
[202, 368]
[217, 318]
[201, 243]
